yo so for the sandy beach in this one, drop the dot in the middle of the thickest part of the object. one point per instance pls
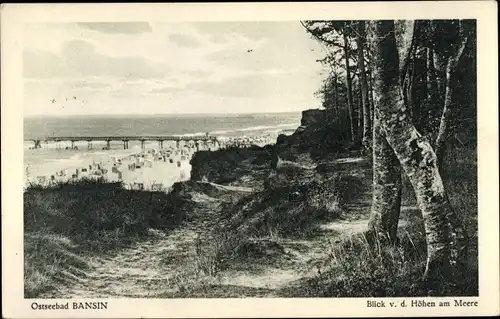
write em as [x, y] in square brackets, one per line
[149, 169]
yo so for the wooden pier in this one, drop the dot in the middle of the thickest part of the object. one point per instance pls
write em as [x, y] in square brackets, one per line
[194, 139]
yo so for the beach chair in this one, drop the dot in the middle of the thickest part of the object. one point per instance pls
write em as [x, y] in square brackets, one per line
[138, 186]
[157, 187]
[183, 158]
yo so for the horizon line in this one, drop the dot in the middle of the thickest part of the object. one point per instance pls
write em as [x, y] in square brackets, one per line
[162, 114]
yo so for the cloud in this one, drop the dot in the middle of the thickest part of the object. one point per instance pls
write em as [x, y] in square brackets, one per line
[252, 85]
[167, 89]
[78, 58]
[170, 67]
[184, 40]
[89, 85]
[117, 27]
[260, 58]
[249, 29]
[198, 73]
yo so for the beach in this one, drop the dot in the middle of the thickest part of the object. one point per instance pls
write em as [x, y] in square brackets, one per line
[151, 168]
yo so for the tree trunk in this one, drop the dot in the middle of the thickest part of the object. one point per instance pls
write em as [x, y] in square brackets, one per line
[415, 155]
[451, 83]
[386, 201]
[432, 89]
[370, 83]
[349, 86]
[414, 106]
[364, 84]
[372, 103]
[336, 89]
[360, 110]
[415, 114]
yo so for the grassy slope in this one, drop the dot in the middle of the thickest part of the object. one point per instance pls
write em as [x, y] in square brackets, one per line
[68, 221]
[358, 269]
[294, 202]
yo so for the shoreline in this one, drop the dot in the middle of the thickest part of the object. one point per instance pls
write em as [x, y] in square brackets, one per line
[151, 169]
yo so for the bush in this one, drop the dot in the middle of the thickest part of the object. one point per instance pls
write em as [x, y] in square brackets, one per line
[95, 214]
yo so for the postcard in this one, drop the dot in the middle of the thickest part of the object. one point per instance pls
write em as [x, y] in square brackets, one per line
[226, 160]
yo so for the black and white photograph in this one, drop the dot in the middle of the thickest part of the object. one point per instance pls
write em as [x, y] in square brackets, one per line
[306, 158]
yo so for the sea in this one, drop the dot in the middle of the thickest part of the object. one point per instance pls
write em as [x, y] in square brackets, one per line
[55, 156]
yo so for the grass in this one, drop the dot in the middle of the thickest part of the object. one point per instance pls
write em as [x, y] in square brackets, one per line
[68, 220]
[292, 204]
[288, 207]
[356, 268]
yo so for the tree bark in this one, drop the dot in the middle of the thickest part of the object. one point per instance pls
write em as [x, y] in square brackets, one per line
[386, 200]
[336, 94]
[415, 113]
[360, 110]
[349, 86]
[364, 84]
[370, 87]
[415, 155]
[432, 88]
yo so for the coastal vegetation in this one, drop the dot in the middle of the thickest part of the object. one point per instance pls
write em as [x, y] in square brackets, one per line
[376, 195]
[69, 220]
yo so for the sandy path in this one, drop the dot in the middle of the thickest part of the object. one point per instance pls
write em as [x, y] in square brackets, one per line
[141, 270]
[145, 269]
[159, 265]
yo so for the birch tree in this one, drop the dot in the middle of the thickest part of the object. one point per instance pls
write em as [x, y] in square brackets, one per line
[360, 39]
[413, 151]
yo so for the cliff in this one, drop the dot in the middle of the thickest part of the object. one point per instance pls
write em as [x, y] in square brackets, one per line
[312, 116]
[316, 135]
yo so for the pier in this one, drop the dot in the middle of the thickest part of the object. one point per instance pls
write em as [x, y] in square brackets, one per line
[193, 140]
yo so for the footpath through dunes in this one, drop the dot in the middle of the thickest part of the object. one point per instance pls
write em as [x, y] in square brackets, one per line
[279, 233]
[246, 234]
[157, 263]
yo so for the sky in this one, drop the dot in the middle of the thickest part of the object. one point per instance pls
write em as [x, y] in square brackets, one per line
[169, 68]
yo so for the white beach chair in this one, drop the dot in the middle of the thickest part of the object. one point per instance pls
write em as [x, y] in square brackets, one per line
[157, 187]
